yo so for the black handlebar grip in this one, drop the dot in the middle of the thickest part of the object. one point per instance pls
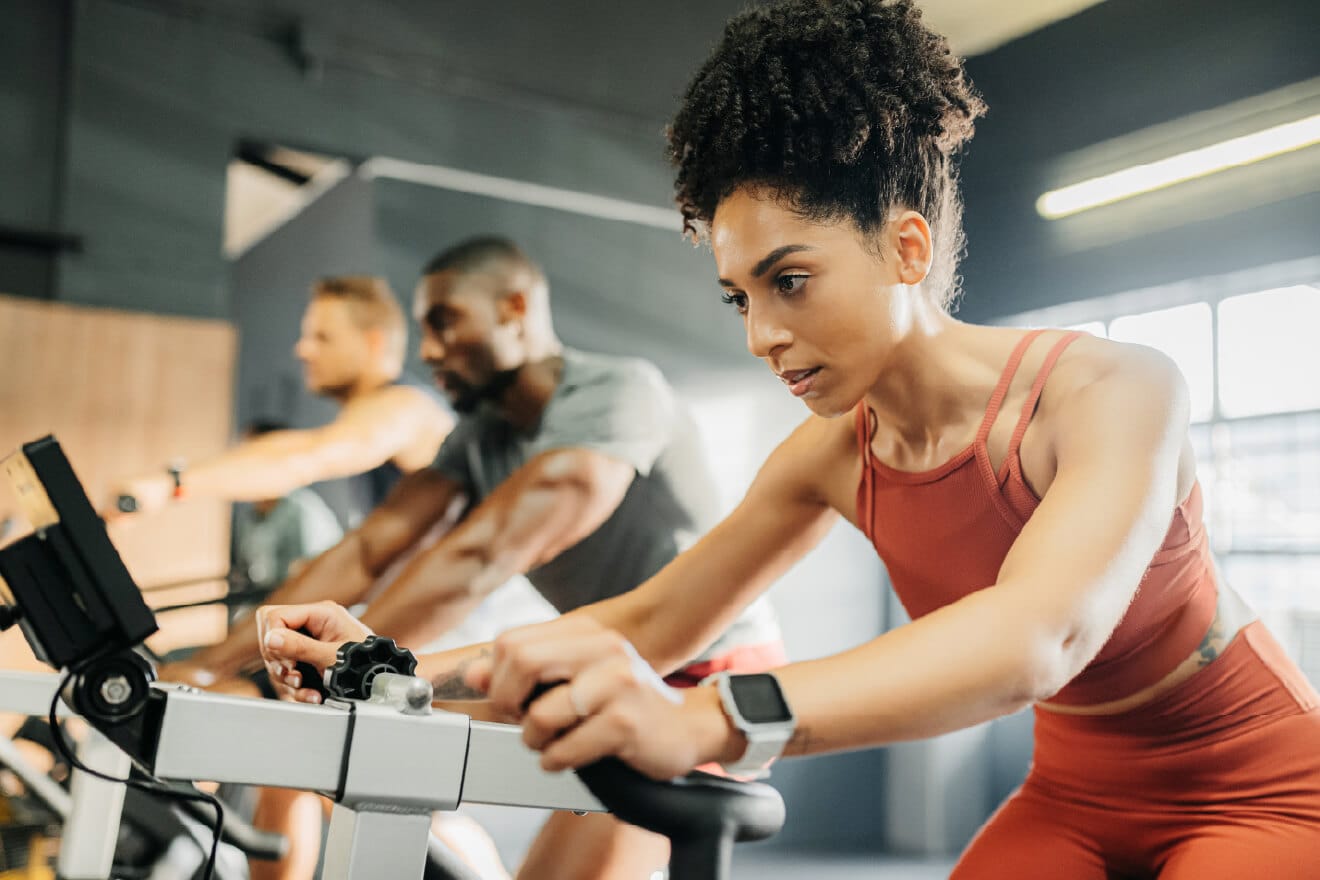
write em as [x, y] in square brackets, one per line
[699, 813]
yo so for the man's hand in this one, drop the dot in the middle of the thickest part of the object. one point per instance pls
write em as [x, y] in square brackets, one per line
[282, 646]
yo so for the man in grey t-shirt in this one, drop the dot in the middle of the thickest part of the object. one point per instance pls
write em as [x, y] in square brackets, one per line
[624, 409]
[581, 471]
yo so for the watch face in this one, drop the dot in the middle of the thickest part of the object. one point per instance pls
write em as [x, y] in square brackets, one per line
[759, 699]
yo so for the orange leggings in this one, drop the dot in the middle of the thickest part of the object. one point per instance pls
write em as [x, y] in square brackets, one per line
[1219, 778]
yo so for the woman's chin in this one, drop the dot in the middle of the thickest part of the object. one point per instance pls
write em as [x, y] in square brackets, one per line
[828, 406]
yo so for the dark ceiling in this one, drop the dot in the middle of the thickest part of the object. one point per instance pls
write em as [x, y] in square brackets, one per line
[624, 62]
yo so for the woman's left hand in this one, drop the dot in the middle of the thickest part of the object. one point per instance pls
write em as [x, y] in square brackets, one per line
[605, 701]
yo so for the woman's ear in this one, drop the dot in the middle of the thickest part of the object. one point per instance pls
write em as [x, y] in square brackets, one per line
[911, 239]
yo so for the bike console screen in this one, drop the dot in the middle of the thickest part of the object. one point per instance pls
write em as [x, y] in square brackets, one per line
[66, 583]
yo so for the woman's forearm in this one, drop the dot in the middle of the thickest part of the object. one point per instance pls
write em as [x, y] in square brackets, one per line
[962, 665]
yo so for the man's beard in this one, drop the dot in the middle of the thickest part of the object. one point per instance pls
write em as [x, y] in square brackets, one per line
[340, 391]
[467, 399]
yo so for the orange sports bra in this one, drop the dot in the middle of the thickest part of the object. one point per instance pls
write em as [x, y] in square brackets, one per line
[944, 533]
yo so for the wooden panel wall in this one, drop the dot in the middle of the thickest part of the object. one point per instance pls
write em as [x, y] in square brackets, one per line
[125, 393]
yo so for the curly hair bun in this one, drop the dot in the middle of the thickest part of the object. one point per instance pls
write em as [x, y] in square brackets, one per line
[846, 106]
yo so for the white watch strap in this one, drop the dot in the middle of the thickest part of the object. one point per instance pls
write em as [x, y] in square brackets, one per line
[765, 742]
[754, 763]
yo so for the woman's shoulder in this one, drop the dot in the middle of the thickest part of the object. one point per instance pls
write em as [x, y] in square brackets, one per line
[819, 459]
[1090, 360]
[1104, 377]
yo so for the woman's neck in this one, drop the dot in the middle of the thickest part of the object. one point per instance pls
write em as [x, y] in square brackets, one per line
[937, 380]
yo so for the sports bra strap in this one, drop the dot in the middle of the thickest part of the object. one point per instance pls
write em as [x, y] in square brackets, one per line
[1029, 408]
[864, 447]
[1005, 379]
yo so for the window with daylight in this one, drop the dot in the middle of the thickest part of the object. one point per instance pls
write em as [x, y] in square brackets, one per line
[1183, 333]
[1268, 358]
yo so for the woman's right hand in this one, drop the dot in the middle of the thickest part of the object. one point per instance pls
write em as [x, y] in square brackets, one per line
[282, 646]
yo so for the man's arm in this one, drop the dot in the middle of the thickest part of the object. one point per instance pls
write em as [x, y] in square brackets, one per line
[367, 432]
[346, 571]
[549, 504]
[704, 589]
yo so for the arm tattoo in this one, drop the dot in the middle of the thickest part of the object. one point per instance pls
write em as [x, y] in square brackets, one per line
[1213, 644]
[450, 685]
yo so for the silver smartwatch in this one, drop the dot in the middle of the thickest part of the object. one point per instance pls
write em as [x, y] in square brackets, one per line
[756, 706]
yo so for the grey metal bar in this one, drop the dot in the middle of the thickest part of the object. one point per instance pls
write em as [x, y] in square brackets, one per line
[87, 845]
[502, 770]
[250, 741]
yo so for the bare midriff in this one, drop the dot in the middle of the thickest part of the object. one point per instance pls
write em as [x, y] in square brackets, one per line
[1231, 615]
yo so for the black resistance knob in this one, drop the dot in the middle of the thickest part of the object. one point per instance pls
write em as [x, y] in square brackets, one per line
[360, 662]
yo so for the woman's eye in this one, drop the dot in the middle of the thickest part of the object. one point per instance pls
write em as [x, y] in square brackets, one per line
[789, 284]
[737, 300]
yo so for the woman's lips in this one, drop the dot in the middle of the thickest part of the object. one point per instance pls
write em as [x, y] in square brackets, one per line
[799, 382]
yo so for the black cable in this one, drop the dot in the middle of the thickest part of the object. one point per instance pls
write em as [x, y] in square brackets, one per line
[151, 786]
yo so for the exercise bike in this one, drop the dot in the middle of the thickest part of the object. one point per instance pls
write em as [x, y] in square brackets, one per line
[387, 760]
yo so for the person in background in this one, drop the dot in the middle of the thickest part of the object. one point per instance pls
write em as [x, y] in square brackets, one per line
[272, 536]
[354, 336]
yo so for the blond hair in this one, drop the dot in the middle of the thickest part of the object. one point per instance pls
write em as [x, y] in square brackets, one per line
[372, 305]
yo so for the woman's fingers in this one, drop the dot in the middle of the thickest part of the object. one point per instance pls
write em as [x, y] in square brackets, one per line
[550, 715]
[306, 695]
[326, 621]
[600, 736]
[283, 645]
[519, 664]
[289, 647]
[271, 617]
[567, 705]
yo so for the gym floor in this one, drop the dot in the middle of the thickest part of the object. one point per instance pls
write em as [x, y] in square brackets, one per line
[772, 864]
[513, 830]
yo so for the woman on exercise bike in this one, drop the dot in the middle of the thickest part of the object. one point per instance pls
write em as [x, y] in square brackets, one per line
[1019, 486]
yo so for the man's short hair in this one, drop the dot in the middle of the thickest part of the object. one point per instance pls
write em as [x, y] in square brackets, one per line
[371, 304]
[484, 253]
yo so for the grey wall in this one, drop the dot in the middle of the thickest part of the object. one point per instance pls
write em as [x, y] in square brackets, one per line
[161, 91]
[33, 59]
[1114, 69]
[270, 284]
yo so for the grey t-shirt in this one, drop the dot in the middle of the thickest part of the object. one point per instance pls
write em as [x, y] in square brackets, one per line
[623, 408]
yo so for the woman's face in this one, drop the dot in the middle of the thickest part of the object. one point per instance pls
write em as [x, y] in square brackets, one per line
[823, 306]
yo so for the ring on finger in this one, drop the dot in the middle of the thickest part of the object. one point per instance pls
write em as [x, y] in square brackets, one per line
[575, 700]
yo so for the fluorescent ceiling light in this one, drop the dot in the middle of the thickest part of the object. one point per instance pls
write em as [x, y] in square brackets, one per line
[1176, 169]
